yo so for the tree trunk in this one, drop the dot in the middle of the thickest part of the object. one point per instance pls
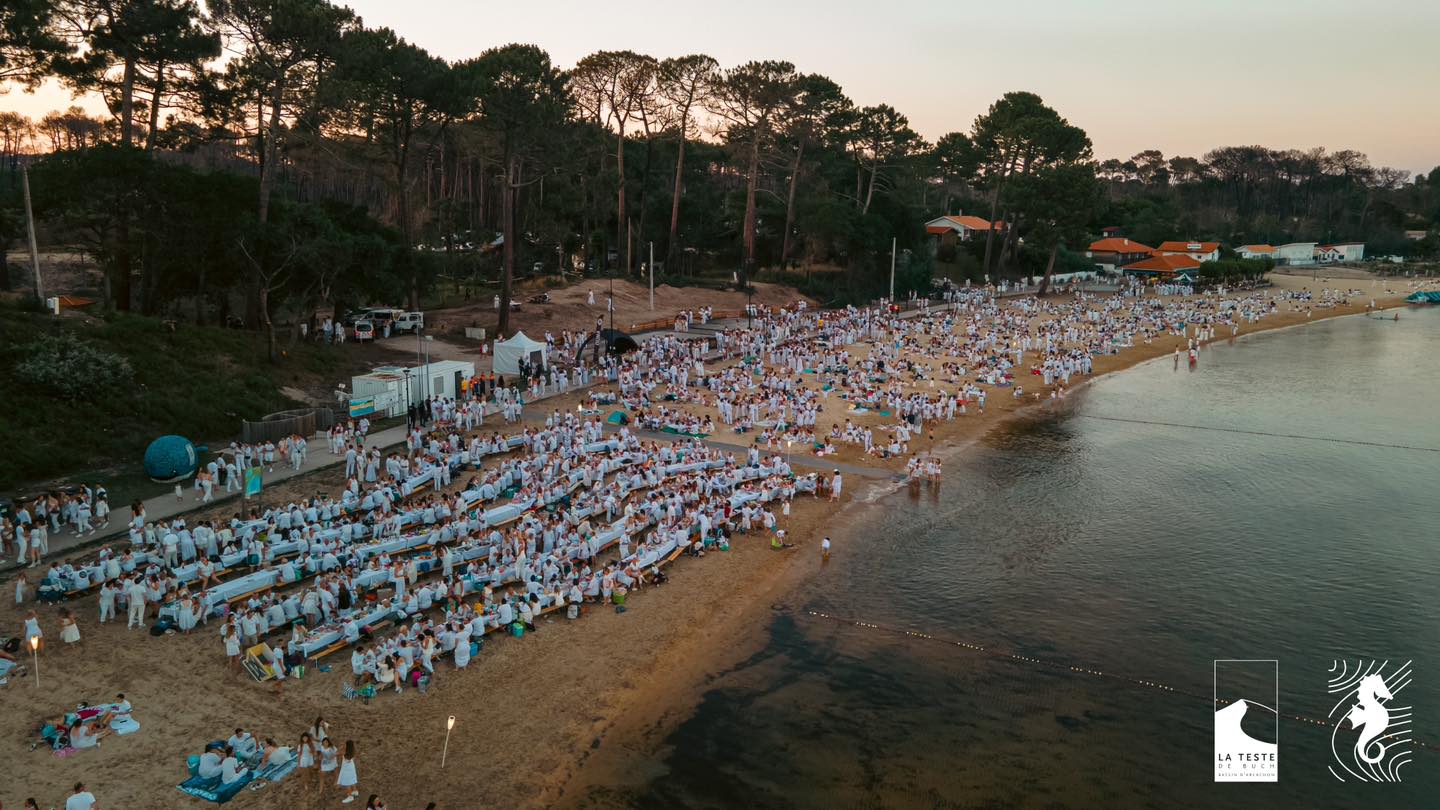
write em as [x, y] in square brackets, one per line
[621, 225]
[127, 103]
[870, 192]
[156, 92]
[269, 325]
[507, 269]
[1049, 269]
[675, 199]
[990, 232]
[267, 164]
[749, 230]
[790, 204]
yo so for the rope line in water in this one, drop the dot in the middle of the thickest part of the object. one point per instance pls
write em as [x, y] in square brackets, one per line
[1076, 668]
[1263, 433]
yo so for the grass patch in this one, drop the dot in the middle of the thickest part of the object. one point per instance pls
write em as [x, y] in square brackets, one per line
[198, 382]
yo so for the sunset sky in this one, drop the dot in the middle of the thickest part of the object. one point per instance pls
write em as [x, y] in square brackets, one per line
[1183, 77]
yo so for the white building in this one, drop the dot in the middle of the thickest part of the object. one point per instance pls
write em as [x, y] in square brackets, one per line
[1352, 251]
[383, 390]
[1328, 254]
[1295, 253]
[1255, 251]
[1199, 251]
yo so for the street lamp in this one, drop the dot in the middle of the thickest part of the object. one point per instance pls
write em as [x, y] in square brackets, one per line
[35, 658]
[788, 442]
[445, 751]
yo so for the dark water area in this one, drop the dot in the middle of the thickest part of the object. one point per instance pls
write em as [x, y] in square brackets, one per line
[1141, 551]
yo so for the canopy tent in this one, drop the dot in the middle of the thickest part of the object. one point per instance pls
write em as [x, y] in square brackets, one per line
[509, 353]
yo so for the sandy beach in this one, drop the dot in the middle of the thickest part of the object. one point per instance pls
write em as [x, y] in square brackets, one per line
[553, 719]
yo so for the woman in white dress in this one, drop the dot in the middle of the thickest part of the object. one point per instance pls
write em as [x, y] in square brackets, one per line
[185, 614]
[232, 646]
[69, 630]
[347, 777]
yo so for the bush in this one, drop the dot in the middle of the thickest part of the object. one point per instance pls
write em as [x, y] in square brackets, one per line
[71, 368]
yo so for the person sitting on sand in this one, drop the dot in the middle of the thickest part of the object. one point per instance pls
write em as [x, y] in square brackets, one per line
[231, 771]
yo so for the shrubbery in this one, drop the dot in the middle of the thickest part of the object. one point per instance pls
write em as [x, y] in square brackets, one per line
[68, 366]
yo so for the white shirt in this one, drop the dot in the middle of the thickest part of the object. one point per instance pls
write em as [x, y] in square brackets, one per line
[84, 800]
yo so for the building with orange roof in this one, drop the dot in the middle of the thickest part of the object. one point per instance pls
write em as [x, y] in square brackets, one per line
[1256, 251]
[1199, 251]
[960, 227]
[1117, 251]
[1163, 266]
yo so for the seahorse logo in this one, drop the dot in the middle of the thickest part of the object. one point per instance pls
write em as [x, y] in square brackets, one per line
[1365, 696]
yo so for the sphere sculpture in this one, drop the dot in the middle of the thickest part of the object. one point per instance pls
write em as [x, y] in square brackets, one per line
[171, 458]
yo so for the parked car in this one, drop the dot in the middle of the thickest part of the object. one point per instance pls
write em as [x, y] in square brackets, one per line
[408, 322]
[364, 330]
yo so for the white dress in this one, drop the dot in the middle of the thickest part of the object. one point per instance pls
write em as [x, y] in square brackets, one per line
[70, 633]
[347, 774]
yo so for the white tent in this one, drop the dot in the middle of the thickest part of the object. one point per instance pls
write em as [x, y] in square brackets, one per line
[509, 353]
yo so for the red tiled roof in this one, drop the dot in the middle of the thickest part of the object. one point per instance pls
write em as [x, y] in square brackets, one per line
[1118, 244]
[973, 223]
[938, 229]
[1184, 247]
[1165, 264]
[1256, 248]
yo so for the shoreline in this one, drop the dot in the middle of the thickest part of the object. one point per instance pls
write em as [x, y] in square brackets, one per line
[633, 745]
[557, 718]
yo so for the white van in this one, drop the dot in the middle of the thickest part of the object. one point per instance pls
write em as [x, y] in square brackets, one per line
[408, 322]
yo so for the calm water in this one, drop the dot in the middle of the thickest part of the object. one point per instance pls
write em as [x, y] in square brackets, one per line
[1142, 550]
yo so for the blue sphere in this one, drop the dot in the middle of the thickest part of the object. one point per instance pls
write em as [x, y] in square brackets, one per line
[171, 458]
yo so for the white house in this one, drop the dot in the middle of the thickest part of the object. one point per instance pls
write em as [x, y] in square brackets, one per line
[1351, 251]
[1295, 253]
[1255, 251]
[960, 227]
[1199, 251]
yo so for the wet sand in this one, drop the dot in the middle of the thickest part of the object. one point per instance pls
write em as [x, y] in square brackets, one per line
[550, 719]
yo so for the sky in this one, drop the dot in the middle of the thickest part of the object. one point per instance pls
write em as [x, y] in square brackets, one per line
[1182, 77]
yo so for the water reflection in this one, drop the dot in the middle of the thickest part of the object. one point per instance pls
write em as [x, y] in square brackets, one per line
[1141, 549]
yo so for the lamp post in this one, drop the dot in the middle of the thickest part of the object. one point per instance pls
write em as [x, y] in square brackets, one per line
[651, 267]
[788, 442]
[445, 751]
[35, 658]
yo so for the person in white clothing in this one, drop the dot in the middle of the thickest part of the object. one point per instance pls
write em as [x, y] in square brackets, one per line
[347, 778]
[81, 799]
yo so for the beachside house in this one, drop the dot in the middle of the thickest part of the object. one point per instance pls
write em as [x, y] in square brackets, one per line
[1255, 251]
[1416, 236]
[957, 228]
[1350, 251]
[1328, 254]
[1118, 251]
[1199, 251]
[1164, 267]
[1295, 253]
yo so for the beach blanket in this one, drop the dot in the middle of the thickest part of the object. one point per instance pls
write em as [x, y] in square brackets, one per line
[617, 418]
[211, 790]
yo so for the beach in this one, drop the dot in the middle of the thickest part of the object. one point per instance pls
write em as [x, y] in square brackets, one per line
[550, 719]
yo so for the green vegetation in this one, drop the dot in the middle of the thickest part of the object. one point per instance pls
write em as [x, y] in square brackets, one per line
[195, 381]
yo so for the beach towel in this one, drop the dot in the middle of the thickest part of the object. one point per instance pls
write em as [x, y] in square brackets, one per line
[125, 725]
[211, 790]
[617, 418]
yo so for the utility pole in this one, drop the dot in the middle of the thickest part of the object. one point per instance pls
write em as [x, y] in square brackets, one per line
[30, 224]
[652, 276]
[892, 271]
